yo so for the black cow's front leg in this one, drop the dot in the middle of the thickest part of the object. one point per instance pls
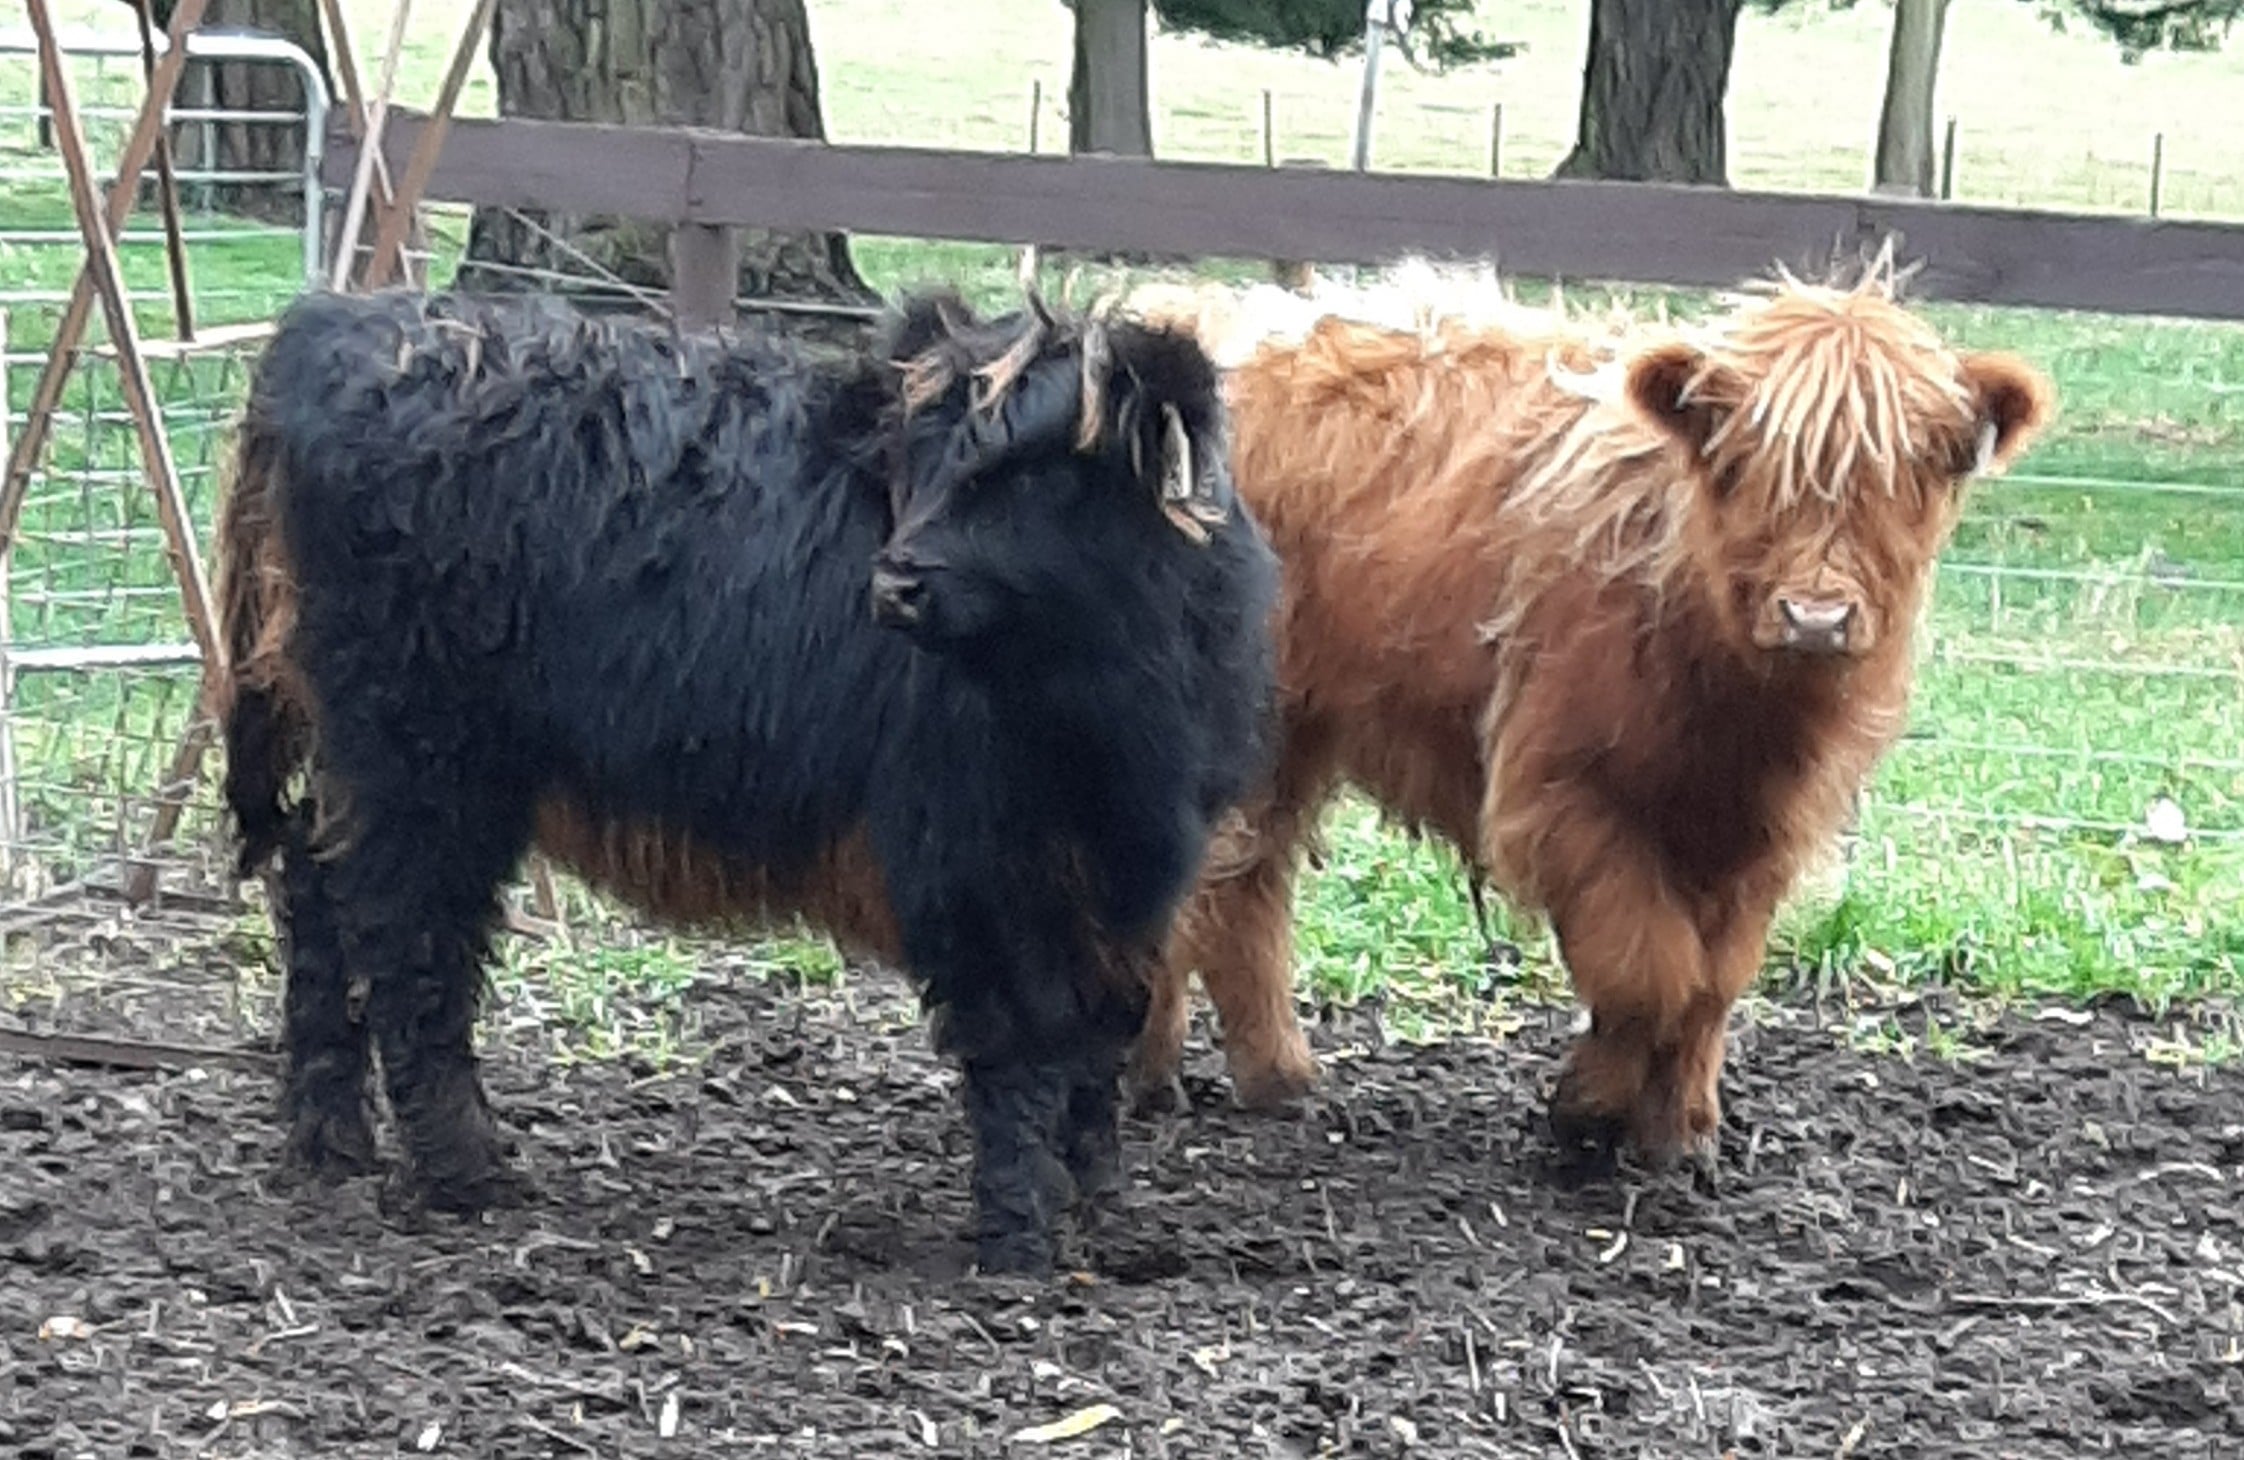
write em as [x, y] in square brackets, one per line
[1020, 1184]
[1091, 1128]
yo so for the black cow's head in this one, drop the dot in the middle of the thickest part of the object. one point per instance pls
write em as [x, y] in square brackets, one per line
[1052, 469]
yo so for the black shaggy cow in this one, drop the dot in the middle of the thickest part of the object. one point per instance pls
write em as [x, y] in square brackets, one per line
[957, 650]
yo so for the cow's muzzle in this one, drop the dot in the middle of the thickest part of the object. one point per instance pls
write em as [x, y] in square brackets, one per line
[1819, 626]
[899, 596]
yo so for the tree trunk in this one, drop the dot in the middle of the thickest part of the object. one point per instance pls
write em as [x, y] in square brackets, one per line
[1109, 108]
[1652, 92]
[1905, 149]
[264, 86]
[740, 65]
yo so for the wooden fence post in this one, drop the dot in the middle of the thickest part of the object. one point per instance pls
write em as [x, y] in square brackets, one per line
[1296, 274]
[1367, 99]
[2158, 168]
[704, 272]
[1948, 162]
[1496, 140]
[1269, 133]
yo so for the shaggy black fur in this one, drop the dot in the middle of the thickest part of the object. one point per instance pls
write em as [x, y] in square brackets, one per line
[537, 556]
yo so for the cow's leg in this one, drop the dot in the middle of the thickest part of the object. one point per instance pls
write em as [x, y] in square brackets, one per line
[1246, 960]
[1091, 1128]
[1090, 1132]
[1237, 930]
[1636, 960]
[416, 893]
[1021, 1184]
[1735, 947]
[1157, 1059]
[324, 1092]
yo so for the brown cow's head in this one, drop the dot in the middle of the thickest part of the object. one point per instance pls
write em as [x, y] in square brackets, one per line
[1830, 432]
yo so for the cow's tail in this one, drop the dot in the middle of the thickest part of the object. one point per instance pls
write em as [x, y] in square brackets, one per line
[262, 706]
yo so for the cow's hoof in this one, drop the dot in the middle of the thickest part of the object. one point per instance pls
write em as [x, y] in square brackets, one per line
[1588, 1135]
[1157, 1094]
[327, 1146]
[1278, 1086]
[472, 1175]
[1011, 1253]
[1094, 1166]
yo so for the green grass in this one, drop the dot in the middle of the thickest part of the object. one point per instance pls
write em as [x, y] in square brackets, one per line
[2088, 636]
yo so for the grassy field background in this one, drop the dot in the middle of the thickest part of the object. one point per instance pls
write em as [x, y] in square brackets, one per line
[2087, 650]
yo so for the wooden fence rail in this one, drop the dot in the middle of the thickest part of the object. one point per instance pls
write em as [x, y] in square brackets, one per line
[1639, 232]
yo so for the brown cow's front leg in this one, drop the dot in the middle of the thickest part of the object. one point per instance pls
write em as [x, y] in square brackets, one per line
[1247, 963]
[1151, 1076]
[1238, 932]
[1636, 960]
[1735, 946]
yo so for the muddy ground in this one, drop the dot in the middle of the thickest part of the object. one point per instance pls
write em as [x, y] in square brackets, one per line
[2036, 1251]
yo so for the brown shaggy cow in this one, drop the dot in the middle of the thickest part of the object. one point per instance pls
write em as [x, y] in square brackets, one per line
[1622, 614]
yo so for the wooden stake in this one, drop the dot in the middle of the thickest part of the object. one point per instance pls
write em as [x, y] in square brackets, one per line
[2158, 168]
[346, 70]
[46, 395]
[390, 239]
[1948, 162]
[354, 214]
[178, 785]
[1269, 133]
[1496, 140]
[167, 195]
[340, 52]
[1036, 111]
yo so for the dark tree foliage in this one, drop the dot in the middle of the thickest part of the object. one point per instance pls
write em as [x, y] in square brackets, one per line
[2137, 26]
[2142, 26]
[1440, 31]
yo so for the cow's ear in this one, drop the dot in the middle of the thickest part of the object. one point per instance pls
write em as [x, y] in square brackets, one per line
[1166, 404]
[1682, 392]
[926, 320]
[2012, 403]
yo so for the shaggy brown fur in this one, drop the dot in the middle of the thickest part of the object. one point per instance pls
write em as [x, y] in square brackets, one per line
[675, 879]
[1623, 614]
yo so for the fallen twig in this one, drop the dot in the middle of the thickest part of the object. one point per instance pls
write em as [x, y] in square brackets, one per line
[559, 1437]
[131, 1054]
[2063, 1300]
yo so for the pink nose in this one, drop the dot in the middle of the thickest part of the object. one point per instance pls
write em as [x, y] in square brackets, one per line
[1816, 625]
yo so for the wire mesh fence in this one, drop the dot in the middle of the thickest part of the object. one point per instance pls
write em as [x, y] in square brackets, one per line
[98, 669]
[247, 179]
[102, 668]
